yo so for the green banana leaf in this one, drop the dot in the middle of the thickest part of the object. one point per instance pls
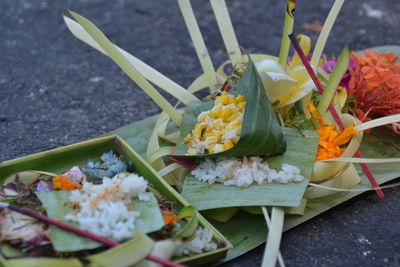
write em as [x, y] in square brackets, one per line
[40, 262]
[129, 253]
[60, 159]
[54, 202]
[301, 151]
[261, 133]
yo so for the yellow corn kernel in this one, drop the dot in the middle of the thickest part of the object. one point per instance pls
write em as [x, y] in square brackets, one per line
[216, 134]
[241, 105]
[206, 134]
[226, 113]
[198, 130]
[235, 140]
[228, 145]
[211, 148]
[225, 99]
[202, 117]
[234, 123]
[215, 112]
[188, 138]
[234, 116]
[212, 139]
[218, 124]
[209, 129]
[239, 99]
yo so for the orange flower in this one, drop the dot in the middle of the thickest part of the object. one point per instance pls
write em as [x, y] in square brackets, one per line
[62, 182]
[375, 83]
[314, 112]
[330, 141]
[169, 216]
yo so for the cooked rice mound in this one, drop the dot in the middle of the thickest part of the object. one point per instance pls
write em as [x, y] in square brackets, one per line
[200, 242]
[104, 209]
[244, 172]
[218, 129]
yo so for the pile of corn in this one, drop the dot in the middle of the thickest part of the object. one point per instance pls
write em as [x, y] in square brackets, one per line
[218, 129]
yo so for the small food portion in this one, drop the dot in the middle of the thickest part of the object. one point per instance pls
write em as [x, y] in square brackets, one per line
[115, 207]
[106, 209]
[218, 129]
[244, 172]
[201, 241]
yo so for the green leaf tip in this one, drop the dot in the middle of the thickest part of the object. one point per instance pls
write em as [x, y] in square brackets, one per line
[336, 76]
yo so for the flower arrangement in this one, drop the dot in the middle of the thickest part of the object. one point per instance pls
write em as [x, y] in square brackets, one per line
[286, 130]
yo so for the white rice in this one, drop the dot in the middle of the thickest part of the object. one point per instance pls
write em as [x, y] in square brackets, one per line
[103, 208]
[244, 172]
[201, 242]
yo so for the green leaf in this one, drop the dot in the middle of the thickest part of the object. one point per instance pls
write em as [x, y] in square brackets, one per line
[55, 203]
[271, 251]
[190, 215]
[334, 81]
[126, 254]
[261, 133]
[150, 219]
[220, 215]
[301, 152]
[41, 262]
[189, 228]
[164, 249]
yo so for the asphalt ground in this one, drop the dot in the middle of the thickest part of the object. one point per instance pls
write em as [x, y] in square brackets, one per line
[55, 90]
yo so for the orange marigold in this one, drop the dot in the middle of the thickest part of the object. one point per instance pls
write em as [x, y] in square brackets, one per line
[169, 216]
[375, 83]
[330, 141]
[62, 182]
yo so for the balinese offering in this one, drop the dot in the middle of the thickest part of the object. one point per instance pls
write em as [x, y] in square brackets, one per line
[113, 203]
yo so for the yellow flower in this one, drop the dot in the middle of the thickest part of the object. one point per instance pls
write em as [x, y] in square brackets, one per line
[286, 85]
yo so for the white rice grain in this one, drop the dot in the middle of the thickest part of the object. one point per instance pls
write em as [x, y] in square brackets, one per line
[103, 208]
[244, 172]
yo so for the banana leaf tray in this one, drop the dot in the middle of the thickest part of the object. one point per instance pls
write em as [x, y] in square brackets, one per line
[60, 159]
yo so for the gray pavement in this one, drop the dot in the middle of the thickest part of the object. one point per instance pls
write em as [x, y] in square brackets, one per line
[54, 91]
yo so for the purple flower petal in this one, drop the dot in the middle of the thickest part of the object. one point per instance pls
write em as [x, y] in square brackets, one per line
[44, 187]
[75, 174]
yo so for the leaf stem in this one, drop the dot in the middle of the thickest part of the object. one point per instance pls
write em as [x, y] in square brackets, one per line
[287, 29]
[271, 252]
